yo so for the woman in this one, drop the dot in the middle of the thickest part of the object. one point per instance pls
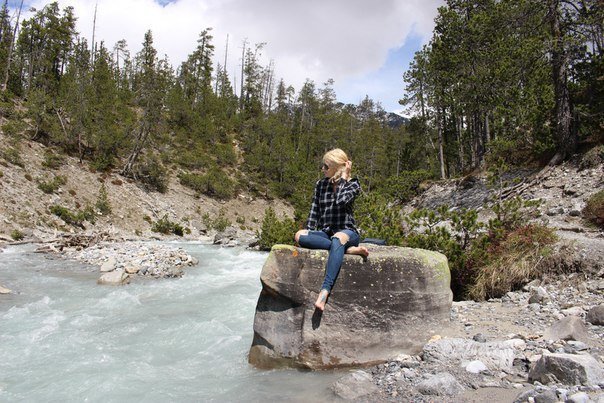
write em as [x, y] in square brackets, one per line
[330, 224]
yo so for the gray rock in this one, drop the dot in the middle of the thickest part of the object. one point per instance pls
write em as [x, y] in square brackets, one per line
[116, 277]
[354, 386]
[225, 237]
[4, 290]
[476, 367]
[577, 345]
[580, 397]
[547, 396]
[108, 266]
[569, 328]
[479, 337]
[441, 384]
[369, 317]
[538, 295]
[573, 311]
[495, 355]
[599, 398]
[595, 316]
[568, 369]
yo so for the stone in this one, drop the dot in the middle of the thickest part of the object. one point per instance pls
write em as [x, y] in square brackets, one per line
[595, 316]
[479, 337]
[569, 328]
[132, 269]
[495, 355]
[441, 384]
[116, 277]
[580, 397]
[225, 237]
[4, 290]
[577, 345]
[568, 369]
[538, 295]
[547, 396]
[108, 266]
[354, 386]
[476, 367]
[573, 311]
[378, 309]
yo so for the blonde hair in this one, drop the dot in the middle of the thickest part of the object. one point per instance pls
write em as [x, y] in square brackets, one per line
[338, 158]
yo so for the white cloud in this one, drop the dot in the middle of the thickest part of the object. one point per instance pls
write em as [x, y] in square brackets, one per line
[316, 39]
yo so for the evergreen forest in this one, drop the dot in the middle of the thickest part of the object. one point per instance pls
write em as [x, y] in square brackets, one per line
[501, 83]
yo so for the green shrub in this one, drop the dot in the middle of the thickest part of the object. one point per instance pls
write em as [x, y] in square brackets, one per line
[153, 175]
[17, 235]
[275, 231]
[513, 262]
[486, 260]
[377, 219]
[594, 209]
[12, 156]
[53, 185]
[215, 183]
[219, 223]
[52, 160]
[75, 219]
[592, 158]
[167, 227]
[102, 202]
[13, 128]
[406, 186]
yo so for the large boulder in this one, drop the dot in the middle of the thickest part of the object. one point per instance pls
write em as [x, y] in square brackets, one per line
[378, 308]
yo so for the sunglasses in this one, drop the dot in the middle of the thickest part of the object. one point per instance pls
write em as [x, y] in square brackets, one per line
[324, 167]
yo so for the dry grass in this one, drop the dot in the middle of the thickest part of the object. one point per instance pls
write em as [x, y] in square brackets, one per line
[515, 261]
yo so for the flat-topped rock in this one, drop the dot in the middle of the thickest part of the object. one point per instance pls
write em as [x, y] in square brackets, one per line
[378, 309]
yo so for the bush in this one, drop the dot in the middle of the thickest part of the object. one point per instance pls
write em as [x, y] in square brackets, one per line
[275, 231]
[167, 227]
[102, 202]
[215, 183]
[75, 219]
[13, 128]
[592, 158]
[52, 160]
[376, 219]
[594, 209]
[406, 186]
[219, 223]
[53, 185]
[17, 235]
[12, 156]
[153, 175]
[486, 260]
[512, 262]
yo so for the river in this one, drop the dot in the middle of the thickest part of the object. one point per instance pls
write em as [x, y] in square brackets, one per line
[65, 338]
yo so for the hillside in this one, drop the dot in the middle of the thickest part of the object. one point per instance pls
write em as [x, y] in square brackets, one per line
[26, 208]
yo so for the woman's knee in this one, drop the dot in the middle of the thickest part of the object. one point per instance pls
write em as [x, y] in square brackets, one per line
[342, 236]
[299, 234]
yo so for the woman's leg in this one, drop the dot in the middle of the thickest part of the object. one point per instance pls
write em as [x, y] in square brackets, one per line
[313, 239]
[336, 254]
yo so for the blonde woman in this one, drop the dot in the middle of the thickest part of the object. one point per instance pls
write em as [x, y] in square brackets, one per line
[331, 224]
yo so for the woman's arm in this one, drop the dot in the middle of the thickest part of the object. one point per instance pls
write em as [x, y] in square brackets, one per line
[348, 191]
[313, 216]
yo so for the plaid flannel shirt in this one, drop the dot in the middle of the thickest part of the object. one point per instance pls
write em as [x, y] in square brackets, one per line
[332, 211]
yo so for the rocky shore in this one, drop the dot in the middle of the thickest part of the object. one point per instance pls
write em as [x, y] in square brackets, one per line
[542, 344]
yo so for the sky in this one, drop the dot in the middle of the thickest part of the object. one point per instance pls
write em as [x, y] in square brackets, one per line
[363, 45]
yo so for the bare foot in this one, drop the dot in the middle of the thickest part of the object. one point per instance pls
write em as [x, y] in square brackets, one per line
[322, 300]
[358, 250]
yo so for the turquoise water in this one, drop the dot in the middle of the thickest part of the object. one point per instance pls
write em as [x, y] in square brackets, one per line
[65, 338]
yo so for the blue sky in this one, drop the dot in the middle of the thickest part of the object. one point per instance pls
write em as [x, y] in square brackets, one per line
[363, 45]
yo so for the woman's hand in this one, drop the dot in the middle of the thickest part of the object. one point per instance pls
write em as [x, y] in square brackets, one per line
[347, 170]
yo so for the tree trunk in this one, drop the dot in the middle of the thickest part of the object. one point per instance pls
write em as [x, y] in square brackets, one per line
[566, 140]
[441, 154]
[10, 49]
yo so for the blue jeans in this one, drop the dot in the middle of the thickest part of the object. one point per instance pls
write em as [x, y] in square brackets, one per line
[321, 240]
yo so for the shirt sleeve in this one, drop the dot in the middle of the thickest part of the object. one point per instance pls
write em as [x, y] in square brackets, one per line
[313, 216]
[348, 192]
